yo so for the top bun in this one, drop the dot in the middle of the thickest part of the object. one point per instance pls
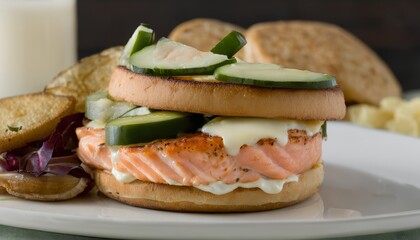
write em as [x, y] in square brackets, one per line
[225, 99]
[326, 48]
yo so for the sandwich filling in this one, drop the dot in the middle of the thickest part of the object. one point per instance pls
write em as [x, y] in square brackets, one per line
[226, 154]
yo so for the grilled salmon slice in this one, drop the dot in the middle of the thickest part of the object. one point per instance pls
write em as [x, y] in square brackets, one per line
[201, 159]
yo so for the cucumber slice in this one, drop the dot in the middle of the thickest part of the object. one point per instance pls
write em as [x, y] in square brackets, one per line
[230, 44]
[271, 75]
[102, 109]
[97, 95]
[146, 128]
[143, 36]
[170, 58]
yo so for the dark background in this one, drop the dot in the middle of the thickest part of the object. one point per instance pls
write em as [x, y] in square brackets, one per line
[390, 27]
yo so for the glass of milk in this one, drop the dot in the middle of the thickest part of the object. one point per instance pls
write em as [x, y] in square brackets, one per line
[37, 41]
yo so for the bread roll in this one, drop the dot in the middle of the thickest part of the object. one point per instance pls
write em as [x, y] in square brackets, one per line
[190, 199]
[225, 99]
[326, 48]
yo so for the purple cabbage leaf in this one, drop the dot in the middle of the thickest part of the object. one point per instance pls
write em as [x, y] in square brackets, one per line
[53, 155]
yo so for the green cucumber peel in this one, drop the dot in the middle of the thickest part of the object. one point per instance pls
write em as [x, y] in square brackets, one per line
[142, 37]
[230, 44]
[150, 127]
[324, 130]
[170, 58]
[271, 75]
[209, 70]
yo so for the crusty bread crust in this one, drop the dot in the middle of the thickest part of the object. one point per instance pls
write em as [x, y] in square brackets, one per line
[190, 199]
[32, 116]
[225, 99]
[327, 48]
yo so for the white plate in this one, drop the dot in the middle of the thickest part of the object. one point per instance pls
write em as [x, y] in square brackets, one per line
[372, 185]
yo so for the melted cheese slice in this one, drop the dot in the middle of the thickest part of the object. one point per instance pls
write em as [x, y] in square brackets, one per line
[237, 131]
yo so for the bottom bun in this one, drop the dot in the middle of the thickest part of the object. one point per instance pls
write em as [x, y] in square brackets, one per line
[43, 188]
[190, 199]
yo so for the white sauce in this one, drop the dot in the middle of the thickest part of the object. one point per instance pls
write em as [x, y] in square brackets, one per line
[269, 186]
[122, 177]
[237, 131]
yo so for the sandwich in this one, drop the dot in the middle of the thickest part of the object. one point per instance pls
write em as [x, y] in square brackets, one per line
[184, 130]
[38, 148]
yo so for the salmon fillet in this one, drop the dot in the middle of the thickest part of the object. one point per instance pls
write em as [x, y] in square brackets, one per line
[201, 159]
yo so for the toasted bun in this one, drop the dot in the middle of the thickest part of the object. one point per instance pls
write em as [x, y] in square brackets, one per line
[225, 99]
[190, 199]
[89, 75]
[327, 48]
[43, 188]
[203, 33]
[30, 117]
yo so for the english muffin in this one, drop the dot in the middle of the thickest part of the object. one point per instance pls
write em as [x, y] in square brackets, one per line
[323, 47]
